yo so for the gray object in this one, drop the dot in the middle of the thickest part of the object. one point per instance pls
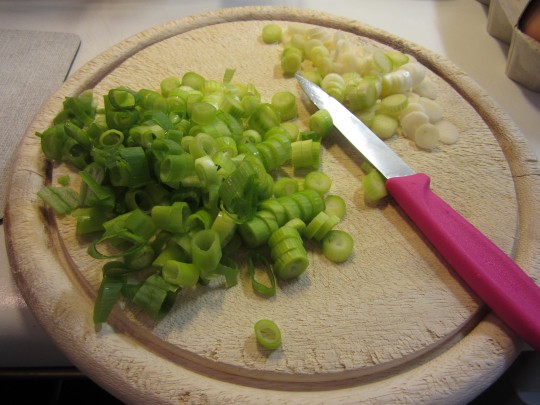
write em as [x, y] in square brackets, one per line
[33, 65]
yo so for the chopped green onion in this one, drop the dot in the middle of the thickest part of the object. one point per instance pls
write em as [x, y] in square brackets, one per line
[193, 80]
[225, 227]
[94, 194]
[131, 170]
[121, 98]
[251, 136]
[268, 334]
[284, 232]
[334, 205]
[276, 208]
[255, 262]
[228, 75]
[363, 94]
[297, 224]
[131, 241]
[52, 142]
[316, 224]
[107, 297]
[207, 172]
[321, 123]
[334, 85]
[384, 126]
[284, 102]
[89, 220]
[171, 218]
[116, 269]
[318, 181]
[382, 62]
[305, 154]
[176, 180]
[206, 251]
[239, 192]
[77, 134]
[394, 104]
[328, 225]
[271, 33]
[397, 81]
[291, 60]
[227, 145]
[291, 265]
[337, 246]
[200, 219]
[62, 200]
[292, 130]
[175, 168]
[374, 187]
[203, 113]
[292, 210]
[286, 240]
[169, 84]
[180, 274]
[110, 138]
[203, 145]
[254, 232]
[141, 259]
[171, 252]
[228, 268]
[305, 204]
[264, 118]
[155, 296]
[285, 186]
[398, 58]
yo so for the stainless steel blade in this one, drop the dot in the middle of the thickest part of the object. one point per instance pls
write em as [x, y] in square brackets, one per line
[373, 148]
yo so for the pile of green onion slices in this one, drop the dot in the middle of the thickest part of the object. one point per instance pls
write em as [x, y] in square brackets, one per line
[175, 183]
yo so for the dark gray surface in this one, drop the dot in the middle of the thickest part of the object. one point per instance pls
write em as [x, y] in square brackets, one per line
[520, 385]
[33, 65]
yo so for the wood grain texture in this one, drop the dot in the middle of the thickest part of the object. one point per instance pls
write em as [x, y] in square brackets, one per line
[394, 323]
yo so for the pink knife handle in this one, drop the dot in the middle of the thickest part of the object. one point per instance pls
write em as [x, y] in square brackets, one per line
[490, 273]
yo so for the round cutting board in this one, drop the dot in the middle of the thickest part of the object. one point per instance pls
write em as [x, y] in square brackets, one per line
[394, 322]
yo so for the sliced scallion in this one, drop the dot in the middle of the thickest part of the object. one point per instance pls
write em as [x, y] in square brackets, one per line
[268, 334]
[337, 246]
[271, 33]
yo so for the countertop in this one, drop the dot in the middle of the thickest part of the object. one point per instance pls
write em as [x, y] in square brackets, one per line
[455, 29]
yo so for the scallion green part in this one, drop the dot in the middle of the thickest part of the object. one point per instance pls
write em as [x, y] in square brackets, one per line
[374, 187]
[337, 246]
[156, 296]
[285, 186]
[175, 181]
[63, 200]
[335, 205]
[206, 251]
[271, 33]
[268, 334]
[284, 102]
[318, 181]
[258, 265]
[180, 274]
[107, 297]
[321, 123]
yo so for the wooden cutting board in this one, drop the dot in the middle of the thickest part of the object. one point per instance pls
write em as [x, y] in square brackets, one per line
[393, 323]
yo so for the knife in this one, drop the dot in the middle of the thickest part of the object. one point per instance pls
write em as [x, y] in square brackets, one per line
[495, 278]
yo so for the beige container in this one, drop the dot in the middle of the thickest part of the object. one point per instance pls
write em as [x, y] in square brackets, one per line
[523, 63]
[503, 17]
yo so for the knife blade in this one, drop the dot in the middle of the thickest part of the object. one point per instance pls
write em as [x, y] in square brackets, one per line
[495, 278]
